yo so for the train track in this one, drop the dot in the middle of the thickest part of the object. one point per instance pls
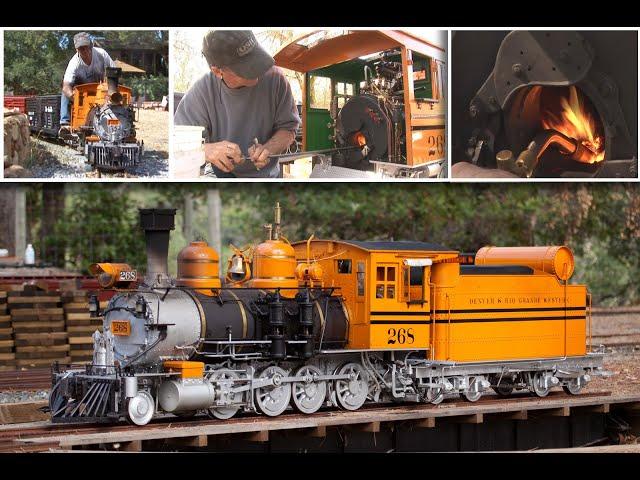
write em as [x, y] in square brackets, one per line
[45, 436]
[26, 380]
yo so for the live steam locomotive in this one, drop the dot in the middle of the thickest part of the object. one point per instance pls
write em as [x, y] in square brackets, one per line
[321, 323]
[102, 122]
[385, 109]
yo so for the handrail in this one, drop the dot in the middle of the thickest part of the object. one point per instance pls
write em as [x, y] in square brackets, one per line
[432, 291]
[448, 326]
[589, 306]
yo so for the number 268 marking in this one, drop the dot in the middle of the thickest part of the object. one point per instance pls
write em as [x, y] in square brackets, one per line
[400, 336]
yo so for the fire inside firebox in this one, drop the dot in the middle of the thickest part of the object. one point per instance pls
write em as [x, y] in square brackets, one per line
[557, 129]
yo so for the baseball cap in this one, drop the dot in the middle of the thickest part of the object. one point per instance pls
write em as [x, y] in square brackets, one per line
[238, 50]
[82, 39]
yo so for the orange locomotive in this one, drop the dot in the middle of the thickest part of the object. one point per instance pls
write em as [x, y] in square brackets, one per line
[102, 122]
[328, 323]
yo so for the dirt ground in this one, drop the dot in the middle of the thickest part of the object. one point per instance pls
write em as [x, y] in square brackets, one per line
[620, 335]
[55, 160]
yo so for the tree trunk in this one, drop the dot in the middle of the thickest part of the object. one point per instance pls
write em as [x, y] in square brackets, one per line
[8, 215]
[214, 210]
[187, 223]
[53, 197]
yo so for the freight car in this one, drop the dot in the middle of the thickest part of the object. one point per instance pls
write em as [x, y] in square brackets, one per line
[322, 323]
[372, 100]
[102, 122]
[16, 102]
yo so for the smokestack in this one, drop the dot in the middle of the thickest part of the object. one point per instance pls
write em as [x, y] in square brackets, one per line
[157, 223]
[113, 80]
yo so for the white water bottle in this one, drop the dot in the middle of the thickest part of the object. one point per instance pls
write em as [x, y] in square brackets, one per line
[29, 255]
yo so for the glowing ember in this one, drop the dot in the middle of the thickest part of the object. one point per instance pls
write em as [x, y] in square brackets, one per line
[359, 139]
[576, 122]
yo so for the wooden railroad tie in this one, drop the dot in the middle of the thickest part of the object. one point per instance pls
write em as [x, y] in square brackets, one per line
[373, 427]
[39, 326]
[6, 333]
[551, 412]
[473, 418]
[429, 422]
[317, 432]
[192, 441]
[517, 415]
[603, 408]
[261, 436]
[40, 339]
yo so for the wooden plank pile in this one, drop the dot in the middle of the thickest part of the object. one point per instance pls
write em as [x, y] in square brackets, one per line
[6, 333]
[39, 327]
[79, 325]
[35, 314]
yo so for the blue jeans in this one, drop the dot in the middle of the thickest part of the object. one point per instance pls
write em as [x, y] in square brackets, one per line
[65, 115]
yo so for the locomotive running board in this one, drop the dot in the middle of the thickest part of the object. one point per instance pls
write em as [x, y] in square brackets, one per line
[429, 369]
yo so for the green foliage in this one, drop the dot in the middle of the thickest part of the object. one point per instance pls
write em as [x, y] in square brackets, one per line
[139, 38]
[35, 61]
[600, 222]
[154, 87]
[100, 224]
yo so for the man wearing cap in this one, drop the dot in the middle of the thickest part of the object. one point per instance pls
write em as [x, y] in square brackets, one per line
[86, 66]
[245, 104]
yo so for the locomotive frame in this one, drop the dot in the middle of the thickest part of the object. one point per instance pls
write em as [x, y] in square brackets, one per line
[327, 323]
[343, 60]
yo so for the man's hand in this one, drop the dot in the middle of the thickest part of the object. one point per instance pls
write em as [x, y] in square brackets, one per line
[259, 155]
[223, 155]
[67, 89]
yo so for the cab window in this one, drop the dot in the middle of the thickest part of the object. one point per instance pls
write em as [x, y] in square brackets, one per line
[361, 276]
[319, 92]
[343, 266]
[413, 283]
[386, 282]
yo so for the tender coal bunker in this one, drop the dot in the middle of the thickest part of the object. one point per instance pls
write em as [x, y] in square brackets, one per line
[566, 110]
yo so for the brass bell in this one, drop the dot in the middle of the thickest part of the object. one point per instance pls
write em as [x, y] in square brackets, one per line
[237, 265]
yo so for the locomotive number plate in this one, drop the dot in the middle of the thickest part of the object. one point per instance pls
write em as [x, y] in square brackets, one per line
[121, 327]
[128, 275]
[113, 121]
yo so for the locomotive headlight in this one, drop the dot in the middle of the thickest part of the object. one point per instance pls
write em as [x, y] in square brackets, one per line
[141, 306]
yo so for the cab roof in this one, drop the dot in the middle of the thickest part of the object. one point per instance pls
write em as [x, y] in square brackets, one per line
[388, 246]
[320, 48]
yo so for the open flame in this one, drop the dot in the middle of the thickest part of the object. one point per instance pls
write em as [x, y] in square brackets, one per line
[576, 122]
[359, 139]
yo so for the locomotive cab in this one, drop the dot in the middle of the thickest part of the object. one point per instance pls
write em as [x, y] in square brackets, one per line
[377, 97]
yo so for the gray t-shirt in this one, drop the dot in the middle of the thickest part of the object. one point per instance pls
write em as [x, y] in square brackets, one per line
[242, 114]
[79, 73]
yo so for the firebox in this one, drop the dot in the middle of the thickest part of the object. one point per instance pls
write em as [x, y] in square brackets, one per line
[556, 104]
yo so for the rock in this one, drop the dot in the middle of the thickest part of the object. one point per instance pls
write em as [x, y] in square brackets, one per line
[16, 171]
[16, 137]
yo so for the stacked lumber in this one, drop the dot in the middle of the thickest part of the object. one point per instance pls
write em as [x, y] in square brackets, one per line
[79, 325]
[39, 327]
[7, 357]
[35, 315]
